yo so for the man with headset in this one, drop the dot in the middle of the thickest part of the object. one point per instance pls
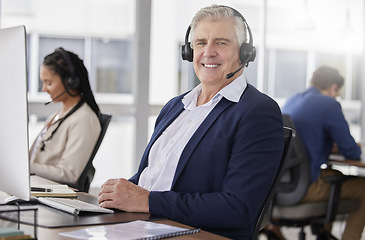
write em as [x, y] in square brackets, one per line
[216, 149]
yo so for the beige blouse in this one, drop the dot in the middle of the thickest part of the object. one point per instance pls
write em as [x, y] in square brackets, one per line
[67, 153]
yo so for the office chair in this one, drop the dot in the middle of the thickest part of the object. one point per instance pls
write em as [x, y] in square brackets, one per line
[263, 218]
[287, 211]
[83, 183]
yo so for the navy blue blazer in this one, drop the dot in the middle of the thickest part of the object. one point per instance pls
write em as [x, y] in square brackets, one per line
[226, 168]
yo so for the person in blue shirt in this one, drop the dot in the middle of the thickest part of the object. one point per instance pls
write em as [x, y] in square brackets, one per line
[319, 119]
[320, 123]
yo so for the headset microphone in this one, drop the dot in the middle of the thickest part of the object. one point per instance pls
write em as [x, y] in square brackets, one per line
[55, 98]
[231, 74]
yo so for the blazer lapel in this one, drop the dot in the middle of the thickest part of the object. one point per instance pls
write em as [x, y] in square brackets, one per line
[175, 112]
[198, 135]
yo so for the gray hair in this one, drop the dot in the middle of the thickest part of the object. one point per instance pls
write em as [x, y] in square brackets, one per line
[216, 12]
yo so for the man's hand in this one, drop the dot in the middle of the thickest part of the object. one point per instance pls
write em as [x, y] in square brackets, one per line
[123, 195]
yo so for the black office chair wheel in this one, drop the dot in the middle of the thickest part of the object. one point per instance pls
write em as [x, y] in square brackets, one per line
[321, 233]
[301, 234]
[269, 235]
[325, 237]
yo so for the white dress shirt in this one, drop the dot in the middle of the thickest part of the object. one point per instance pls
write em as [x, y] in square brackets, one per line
[165, 152]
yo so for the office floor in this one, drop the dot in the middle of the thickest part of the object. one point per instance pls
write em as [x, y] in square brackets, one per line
[292, 233]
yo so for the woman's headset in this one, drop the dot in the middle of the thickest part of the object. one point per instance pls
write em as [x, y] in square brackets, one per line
[247, 50]
[73, 82]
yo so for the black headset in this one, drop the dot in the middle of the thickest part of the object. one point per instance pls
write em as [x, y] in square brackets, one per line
[73, 82]
[247, 50]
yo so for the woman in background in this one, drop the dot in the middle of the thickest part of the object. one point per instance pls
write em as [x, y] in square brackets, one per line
[63, 147]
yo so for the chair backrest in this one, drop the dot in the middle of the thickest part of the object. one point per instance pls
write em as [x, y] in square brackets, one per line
[263, 215]
[294, 183]
[83, 183]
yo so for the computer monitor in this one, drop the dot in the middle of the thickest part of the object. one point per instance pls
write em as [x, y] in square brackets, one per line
[14, 146]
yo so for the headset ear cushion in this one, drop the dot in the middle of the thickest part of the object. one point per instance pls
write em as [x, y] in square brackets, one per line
[73, 83]
[247, 53]
[187, 52]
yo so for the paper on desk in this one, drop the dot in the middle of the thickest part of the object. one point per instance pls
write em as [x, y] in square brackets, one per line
[57, 191]
[128, 231]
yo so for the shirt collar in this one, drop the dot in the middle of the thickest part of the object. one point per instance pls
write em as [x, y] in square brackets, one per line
[231, 92]
[234, 90]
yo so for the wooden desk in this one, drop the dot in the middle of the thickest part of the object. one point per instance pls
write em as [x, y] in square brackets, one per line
[68, 220]
[52, 233]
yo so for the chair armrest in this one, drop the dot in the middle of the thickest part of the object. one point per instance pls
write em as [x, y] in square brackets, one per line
[335, 179]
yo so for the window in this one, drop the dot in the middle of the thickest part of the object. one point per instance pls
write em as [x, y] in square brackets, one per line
[290, 72]
[111, 65]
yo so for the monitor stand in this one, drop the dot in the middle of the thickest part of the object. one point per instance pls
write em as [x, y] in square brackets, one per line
[12, 200]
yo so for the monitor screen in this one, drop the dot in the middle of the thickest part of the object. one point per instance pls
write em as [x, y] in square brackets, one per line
[14, 151]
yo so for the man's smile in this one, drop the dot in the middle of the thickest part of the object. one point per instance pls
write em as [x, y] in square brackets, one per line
[211, 65]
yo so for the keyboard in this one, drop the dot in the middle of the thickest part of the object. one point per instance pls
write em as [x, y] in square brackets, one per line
[72, 206]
